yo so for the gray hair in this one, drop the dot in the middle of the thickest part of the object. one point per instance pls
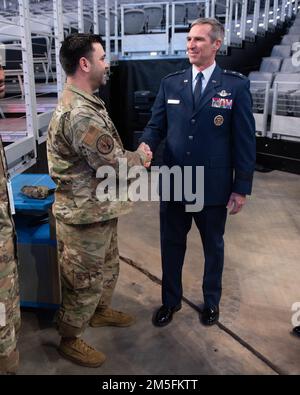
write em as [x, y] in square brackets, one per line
[217, 29]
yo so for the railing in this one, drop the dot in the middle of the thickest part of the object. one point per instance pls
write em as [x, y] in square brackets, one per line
[286, 110]
[260, 91]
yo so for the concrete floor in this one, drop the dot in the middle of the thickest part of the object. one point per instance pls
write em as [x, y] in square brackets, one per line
[261, 282]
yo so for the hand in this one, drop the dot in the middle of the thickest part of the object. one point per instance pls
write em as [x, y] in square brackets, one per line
[147, 151]
[236, 203]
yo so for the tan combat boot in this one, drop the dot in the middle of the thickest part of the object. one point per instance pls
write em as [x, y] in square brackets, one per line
[76, 350]
[110, 317]
[9, 365]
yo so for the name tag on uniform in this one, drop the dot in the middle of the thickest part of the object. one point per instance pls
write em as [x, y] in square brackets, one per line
[173, 101]
[217, 102]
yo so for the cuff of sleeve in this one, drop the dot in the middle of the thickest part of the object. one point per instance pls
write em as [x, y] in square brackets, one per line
[242, 187]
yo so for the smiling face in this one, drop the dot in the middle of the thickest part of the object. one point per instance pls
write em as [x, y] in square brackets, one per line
[99, 66]
[200, 46]
[95, 67]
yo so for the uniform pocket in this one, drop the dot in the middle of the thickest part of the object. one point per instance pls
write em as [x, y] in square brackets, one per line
[77, 279]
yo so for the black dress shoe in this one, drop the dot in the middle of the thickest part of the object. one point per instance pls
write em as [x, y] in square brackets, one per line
[296, 331]
[163, 316]
[210, 316]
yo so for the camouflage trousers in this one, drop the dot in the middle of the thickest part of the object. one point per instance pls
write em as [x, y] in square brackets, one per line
[10, 321]
[89, 267]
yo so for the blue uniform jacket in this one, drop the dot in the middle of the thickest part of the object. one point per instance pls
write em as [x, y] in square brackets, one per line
[219, 134]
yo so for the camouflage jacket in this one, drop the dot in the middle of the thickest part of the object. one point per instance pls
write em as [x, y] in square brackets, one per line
[82, 138]
[6, 224]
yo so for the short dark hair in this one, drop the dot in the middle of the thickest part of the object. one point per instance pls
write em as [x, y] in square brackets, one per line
[217, 29]
[74, 47]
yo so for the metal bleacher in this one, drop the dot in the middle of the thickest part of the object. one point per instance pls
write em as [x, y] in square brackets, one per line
[276, 86]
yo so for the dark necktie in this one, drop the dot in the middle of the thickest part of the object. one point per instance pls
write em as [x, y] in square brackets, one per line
[198, 89]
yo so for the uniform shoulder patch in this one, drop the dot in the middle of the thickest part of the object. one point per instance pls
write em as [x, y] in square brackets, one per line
[234, 74]
[176, 73]
[91, 136]
[105, 144]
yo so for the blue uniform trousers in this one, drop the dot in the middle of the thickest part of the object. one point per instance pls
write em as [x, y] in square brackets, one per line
[175, 224]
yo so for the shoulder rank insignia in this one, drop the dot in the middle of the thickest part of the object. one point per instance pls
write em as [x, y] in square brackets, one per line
[173, 74]
[234, 74]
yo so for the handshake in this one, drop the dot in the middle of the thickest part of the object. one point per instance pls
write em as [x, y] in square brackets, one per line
[145, 149]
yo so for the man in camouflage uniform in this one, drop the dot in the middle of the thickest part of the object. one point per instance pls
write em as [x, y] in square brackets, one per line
[9, 290]
[81, 139]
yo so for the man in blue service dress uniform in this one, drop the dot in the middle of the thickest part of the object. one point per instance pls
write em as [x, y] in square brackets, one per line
[205, 113]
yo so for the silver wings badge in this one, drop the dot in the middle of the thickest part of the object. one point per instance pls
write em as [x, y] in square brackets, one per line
[223, 93]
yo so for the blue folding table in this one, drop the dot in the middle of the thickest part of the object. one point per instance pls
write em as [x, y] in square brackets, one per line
[38, 268]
